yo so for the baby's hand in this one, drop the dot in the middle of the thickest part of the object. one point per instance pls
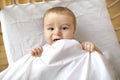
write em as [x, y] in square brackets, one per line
[89, 46]
[36, 51]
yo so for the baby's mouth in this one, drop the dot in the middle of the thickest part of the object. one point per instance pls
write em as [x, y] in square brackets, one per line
[56, 40]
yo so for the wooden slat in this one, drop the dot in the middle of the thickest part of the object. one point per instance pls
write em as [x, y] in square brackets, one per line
[8, 2]
[0, 30]
[115, 16]
[21, 1]
[1, 40]
[3, 58]
[113, 3]
[2, 48]
[117, 29]
[2, 67]
[3, 61]
[2, 3]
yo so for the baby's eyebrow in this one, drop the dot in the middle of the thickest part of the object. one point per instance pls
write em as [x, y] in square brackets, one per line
[48, 25]
[66, 23]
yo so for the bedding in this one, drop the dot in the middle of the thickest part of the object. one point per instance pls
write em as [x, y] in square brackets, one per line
[64, 60]
[22, 27]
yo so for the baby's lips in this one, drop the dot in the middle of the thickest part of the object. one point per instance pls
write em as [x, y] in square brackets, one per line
[55, 39]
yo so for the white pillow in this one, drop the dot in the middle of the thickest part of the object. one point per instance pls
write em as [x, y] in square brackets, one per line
[22, 27]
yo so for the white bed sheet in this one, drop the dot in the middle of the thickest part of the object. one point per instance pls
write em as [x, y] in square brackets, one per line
[64, 60]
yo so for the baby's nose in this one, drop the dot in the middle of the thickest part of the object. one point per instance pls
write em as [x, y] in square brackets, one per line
[57, 32]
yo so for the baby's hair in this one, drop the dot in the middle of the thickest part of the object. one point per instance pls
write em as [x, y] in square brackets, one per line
[61, 10]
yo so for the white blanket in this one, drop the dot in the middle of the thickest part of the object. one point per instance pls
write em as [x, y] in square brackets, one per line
[64, 60]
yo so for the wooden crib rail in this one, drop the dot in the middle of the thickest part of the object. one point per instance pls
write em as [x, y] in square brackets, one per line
[0, 31]
[4, 3]
[26, 1]
[113, 3]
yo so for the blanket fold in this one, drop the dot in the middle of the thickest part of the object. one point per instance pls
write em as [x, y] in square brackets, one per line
[64, 60]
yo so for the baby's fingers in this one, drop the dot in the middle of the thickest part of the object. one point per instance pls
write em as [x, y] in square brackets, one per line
[32, 52]
[35, 52]
[91, 47]
[40, 50]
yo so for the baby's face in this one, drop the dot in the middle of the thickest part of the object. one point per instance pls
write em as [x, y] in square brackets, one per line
[58, 26]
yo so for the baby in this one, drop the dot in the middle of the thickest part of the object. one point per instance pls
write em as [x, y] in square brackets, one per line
[60, 23]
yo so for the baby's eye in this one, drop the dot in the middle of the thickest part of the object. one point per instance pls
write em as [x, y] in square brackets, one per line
[64, 28]
[51, 28]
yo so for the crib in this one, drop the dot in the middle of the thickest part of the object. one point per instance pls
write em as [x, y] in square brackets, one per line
[112, 6]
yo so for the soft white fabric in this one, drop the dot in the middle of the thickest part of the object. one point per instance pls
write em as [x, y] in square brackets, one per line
[22, 27]
[64, 60]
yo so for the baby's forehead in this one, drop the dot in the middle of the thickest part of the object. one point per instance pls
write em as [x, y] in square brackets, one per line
[58, 14]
